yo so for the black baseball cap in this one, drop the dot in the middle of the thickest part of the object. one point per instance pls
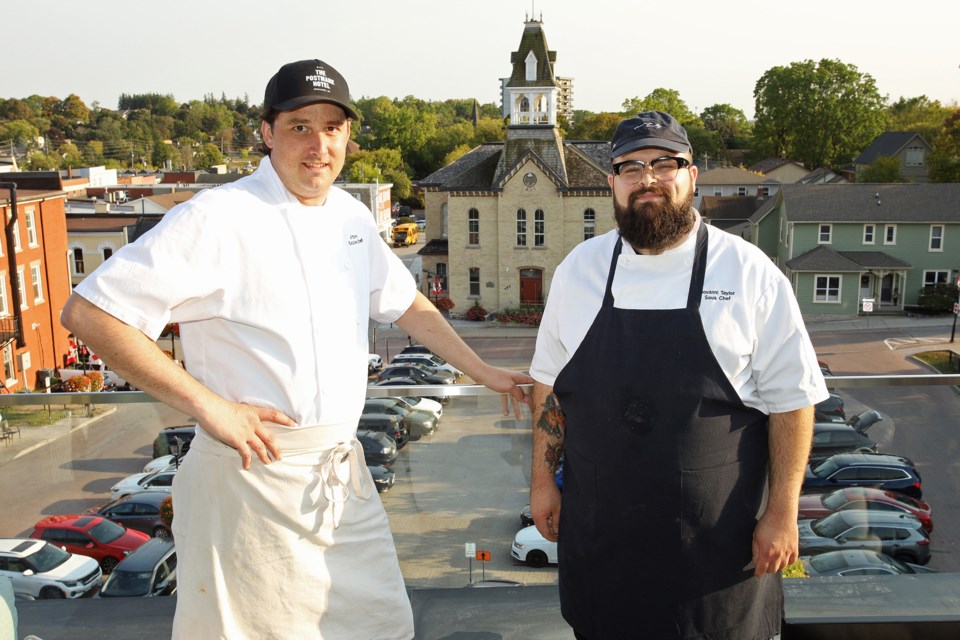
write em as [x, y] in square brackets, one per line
[305, 82]
[649, 129]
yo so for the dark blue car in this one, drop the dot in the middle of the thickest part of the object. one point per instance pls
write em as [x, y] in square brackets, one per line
[894, 473]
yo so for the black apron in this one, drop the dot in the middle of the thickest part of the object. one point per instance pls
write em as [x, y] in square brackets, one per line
[663, 477]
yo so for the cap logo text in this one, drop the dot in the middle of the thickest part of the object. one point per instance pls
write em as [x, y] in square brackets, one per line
[321, 81]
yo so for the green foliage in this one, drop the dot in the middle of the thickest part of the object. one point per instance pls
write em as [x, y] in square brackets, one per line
[458, 152]
[795, 570]
[19, 131]
[729, 123]
[885, 169]
[821, 114]
[666, 100]
[944, 161]
[938, 298]
[207, 156]
[595, 126]
[39, 161]
[918, 115]
[476, 313]
[528, 315]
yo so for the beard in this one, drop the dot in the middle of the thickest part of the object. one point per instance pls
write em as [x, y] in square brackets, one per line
[654, 226]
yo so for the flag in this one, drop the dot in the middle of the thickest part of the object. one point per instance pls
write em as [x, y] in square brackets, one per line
[437, 287]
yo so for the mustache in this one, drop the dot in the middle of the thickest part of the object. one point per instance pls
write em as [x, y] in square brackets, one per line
[642, 191]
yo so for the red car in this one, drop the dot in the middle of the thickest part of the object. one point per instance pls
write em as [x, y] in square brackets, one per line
[814, 506]
[106, 542]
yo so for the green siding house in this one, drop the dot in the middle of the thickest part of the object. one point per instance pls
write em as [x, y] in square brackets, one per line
[840, 244]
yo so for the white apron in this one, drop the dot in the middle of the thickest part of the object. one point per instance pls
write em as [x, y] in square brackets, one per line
[299, 548]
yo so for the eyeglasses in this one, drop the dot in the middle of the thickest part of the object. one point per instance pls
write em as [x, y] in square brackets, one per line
[663, 169]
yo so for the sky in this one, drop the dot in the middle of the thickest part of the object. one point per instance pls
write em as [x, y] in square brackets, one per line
[711, 52]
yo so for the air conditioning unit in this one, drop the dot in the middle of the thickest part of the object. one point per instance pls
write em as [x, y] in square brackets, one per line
[23, 361]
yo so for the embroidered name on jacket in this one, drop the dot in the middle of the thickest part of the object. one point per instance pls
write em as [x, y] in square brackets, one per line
[718, 294]
[354, 239]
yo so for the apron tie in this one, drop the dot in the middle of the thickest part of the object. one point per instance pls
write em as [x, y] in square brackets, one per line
[337, 474]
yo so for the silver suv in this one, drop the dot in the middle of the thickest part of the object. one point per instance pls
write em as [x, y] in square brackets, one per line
[899, 535]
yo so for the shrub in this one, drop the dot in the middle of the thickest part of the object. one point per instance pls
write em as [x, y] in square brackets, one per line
[938, 298]
[476, 313]
[524, 315]
[795, 570]
[443, 304]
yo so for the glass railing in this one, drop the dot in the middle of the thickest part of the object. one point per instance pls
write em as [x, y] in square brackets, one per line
[457, 493]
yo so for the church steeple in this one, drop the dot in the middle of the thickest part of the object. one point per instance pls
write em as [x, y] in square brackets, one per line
[531, 92]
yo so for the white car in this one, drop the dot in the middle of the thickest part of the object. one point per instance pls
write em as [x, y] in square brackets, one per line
[39, 569]
[156, 481]
[425, 404]
[430, 360]
[531, 547]
[163, 463]
[374, 362]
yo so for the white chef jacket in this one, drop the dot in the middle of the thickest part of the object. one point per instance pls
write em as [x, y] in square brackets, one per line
[750, 315]
[273, 297]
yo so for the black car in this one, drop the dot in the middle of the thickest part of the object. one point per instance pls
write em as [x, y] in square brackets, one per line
[417, 372]
[830, 410]
[416, 348]
[170, 438]
[139, 511]
[894, 473]
[419, 423]
[393, 426]
[830, 438]
[383, 478]
[151, 570]
[378, 448]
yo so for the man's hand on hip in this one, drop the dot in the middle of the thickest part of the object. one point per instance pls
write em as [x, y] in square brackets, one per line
[242, 426]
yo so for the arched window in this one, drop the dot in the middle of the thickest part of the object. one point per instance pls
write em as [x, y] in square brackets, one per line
[589, 223]
[521, 227]
[78, 266]
[473, 228]
[539, 228]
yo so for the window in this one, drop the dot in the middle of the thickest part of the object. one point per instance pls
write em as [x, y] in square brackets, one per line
[21, 288]
[521, 228]
[4, 305]
[31, 221]
[936, 237]
[783, 226]
[589, 223]
[696, 192]
[931, 278]
[473, 228]
[741, 191]
[16, 235]
[474, 278]
[444, 215]
[914, 157]
[868, 233]
[717, 191]
[538, 228]
[764, 191]
[442, 274]
[890, 234]
[530, 62]
[827, 289]
[826, 230]
[107, 253]
[78, 268]
[8, 369]
[36, 282]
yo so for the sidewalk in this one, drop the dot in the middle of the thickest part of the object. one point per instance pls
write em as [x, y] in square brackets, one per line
[63, 422]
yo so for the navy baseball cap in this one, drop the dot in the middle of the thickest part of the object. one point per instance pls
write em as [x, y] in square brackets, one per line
[305, 82]
[649, 129]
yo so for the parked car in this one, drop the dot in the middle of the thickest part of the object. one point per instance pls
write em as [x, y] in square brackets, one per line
[858, 562]
[378, 448]
[882, 471]
[383, 478]
[830, 410]
[411, 382]
[391, 425]
[149, 571]
[417, 372]
[531, 547]
[429, 360]
[374, 362]
[425, 404]
[416, 348]
[419, 423]
[88, 535]
[140, 511]
[818, 505]
[164, 463]
[835, 437]
[167, 440]
[42, 570]
[526, 517]
[899, 535]
[156, 481]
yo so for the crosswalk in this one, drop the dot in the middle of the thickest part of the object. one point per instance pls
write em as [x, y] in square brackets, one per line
[902, 343]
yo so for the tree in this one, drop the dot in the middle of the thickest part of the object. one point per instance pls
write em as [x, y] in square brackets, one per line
[729, 123]
[385, 165]
[917, 115]
[665, 100]
[884, 169]
[821, 114]
[39, 161]
[20, 131]
[596, 126]
[71, 155]
[207, 156]
[944, 161]
[73, 109]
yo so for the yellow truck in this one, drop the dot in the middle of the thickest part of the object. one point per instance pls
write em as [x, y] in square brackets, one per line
[406, 234]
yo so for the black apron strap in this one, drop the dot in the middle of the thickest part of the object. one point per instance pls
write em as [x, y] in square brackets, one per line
[608, 294]
[695, 294]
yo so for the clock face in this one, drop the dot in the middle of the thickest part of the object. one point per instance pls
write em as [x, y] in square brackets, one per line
[530, 179]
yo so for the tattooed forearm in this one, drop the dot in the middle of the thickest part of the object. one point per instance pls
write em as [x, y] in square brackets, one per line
[551, 419]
